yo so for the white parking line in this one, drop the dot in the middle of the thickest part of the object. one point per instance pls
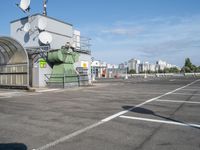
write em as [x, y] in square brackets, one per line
[190, 89]
[9, 93]
[47, 90]
[5, 97]
[76, 133]
[177, 101]
[186, 94]
[172, 80]
[148, 101]
[162, 121]
[68, 136]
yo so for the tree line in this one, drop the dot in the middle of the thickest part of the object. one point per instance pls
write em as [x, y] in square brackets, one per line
[189, 67]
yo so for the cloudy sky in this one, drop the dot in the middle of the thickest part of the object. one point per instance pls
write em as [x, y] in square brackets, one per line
[123, 29]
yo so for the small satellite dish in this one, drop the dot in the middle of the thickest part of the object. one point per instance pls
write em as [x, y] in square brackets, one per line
[27, 27]
[24, 5]
[45, 37]
[42, 23]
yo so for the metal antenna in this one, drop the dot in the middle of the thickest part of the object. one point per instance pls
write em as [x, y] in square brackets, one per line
[45, 7]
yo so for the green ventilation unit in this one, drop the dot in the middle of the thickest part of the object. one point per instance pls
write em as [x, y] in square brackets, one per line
[63, 73]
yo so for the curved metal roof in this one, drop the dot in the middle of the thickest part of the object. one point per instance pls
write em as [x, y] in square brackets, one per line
[12, 52]
[14, 64]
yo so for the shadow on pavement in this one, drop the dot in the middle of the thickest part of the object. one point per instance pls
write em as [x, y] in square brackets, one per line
[13, 146]
[141, 110]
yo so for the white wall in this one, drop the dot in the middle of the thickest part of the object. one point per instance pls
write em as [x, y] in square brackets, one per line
[61, 32]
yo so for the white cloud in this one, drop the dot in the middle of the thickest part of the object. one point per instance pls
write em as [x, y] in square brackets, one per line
[168, 38]
[123, 31]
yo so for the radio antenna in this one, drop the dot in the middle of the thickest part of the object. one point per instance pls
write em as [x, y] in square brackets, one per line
[45, 7]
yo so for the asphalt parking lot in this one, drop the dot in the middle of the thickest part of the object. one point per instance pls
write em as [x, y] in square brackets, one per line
[130, 114]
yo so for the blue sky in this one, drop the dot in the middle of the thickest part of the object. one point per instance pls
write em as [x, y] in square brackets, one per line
[125, 29]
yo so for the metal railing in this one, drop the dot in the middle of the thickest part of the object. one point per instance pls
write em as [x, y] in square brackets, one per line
[64, 80]
[82, 44]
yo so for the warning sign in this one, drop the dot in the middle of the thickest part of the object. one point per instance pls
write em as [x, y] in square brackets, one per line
[84, 64]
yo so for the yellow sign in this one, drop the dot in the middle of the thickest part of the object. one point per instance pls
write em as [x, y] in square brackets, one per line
[43, 63]
[84, 64]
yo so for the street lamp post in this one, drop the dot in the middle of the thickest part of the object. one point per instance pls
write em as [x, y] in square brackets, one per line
[92, 69]
[126, 68]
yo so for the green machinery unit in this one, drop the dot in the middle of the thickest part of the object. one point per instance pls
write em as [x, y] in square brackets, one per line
[62, 61]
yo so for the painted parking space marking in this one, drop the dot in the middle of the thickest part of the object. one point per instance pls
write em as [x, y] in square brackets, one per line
[191, 89]
[172, 80]
[148, 101]
[47, 90]
[78, 132]
[177, 101]
[162, 121]
[186, 94]
[9, 93]
[3, 97]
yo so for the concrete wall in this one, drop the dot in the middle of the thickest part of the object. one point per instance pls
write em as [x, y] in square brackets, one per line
[38, 76]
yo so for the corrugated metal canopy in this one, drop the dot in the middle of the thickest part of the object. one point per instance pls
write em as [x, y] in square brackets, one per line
[12, 52]
[14, 63]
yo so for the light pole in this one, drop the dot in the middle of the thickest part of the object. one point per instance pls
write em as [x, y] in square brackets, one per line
[126, 68]
[145, 71]
[92, 69]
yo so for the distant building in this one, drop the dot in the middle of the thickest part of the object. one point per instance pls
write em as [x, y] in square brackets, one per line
[102, 69]
[152, 67]
[133, 64]
[112, 66]
[161, 64]
[122, 66]
[144, 67]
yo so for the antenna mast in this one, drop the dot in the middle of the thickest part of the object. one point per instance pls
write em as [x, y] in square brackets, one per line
[45, 7]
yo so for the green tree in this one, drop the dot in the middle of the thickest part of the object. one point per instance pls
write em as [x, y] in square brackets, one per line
[188, 63]
[132, 71]
[189, 67]
[174, 70]
[166, 70]
[186, 70]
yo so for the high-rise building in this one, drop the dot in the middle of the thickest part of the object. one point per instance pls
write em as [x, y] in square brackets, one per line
[161, 64]
[133, 64]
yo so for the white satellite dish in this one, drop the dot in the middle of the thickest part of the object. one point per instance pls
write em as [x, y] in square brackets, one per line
[24, 5]
[42, 23]
[27, 27]
[45, 37]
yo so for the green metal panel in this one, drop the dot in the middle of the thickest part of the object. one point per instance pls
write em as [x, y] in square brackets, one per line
[63, 65]
[55, 56]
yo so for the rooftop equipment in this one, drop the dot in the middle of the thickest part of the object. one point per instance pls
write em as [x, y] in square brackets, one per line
[45, 7]
[63, 73]
[24, 5]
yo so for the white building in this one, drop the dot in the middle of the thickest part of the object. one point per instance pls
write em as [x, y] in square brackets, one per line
[133, 64]
[61, 34]
[112, 66]
[122, 66]
[161, 64]
[152, 67]
[144, 67]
